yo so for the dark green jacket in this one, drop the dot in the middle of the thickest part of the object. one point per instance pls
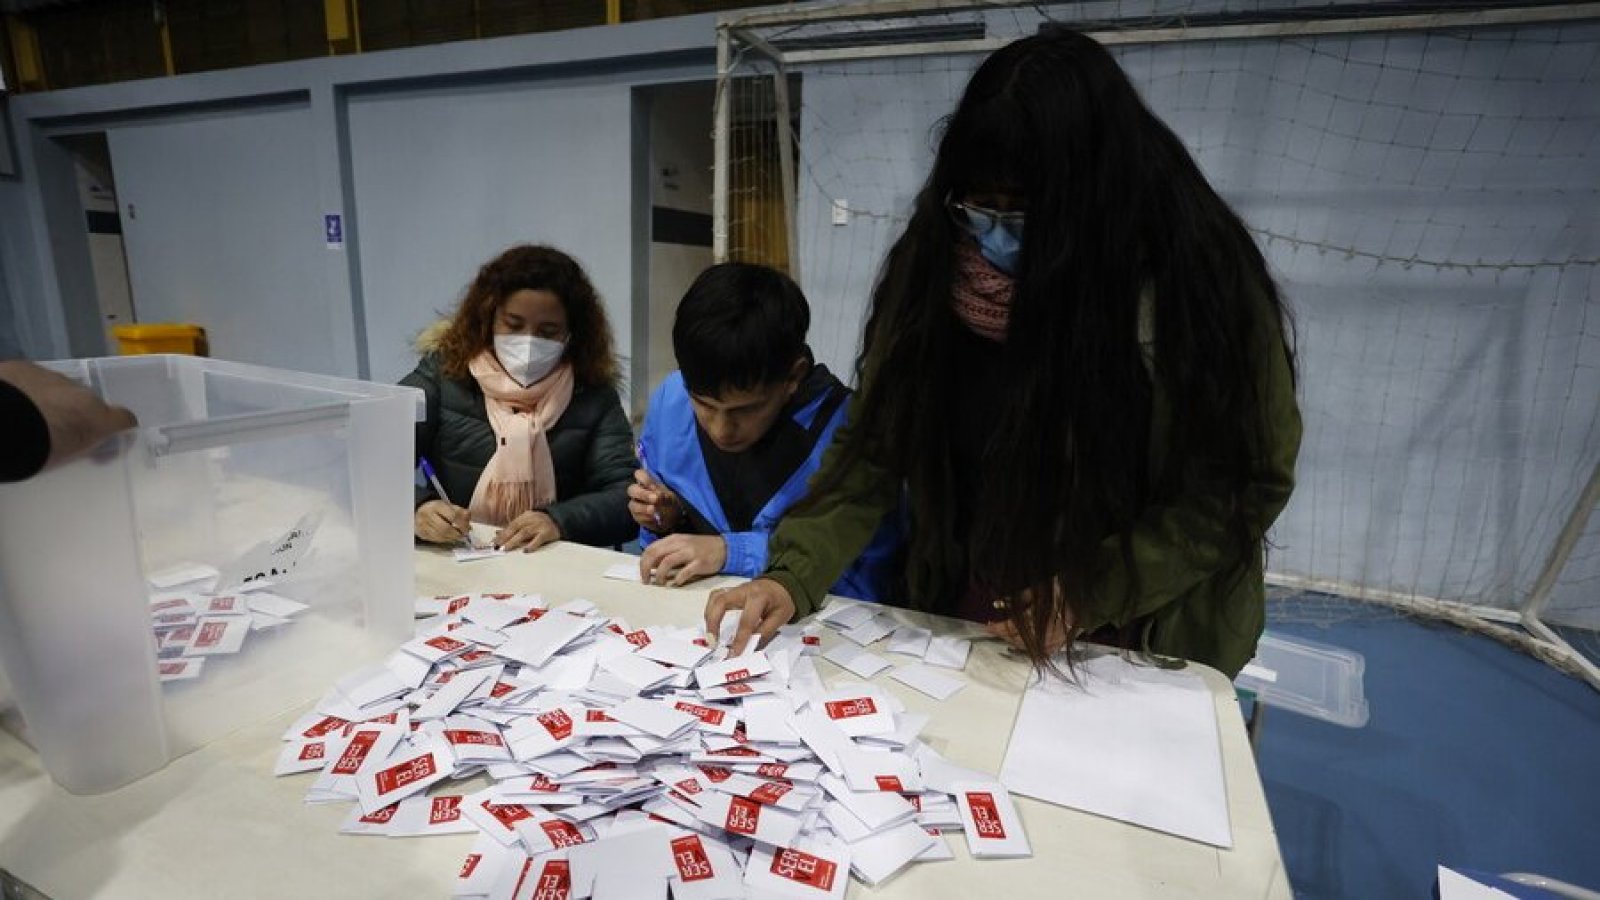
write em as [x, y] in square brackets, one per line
[591, 446]
[1188, 605]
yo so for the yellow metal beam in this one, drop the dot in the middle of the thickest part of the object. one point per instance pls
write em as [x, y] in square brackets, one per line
[25, 56]
[342, 19]
[166, 47]
[613, 12]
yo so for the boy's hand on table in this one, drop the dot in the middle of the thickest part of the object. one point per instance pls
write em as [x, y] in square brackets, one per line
[679, 559]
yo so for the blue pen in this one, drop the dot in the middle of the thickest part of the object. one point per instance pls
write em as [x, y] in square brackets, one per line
[433, 479]
[644, 463]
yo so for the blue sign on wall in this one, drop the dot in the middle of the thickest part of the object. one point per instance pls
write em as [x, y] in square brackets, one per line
[333, 230]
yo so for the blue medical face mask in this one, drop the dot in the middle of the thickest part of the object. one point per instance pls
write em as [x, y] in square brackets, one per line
[1002, 247]
[999, 234]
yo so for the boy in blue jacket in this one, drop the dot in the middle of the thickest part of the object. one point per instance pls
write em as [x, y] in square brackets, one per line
[732, 438]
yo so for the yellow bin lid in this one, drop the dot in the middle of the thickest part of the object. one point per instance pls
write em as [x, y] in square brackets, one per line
[157, 331]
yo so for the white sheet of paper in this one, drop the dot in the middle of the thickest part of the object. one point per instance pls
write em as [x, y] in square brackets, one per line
[464, 554]
[493, 614]
[858, 662]
[950, 652]
[272, 558]
[1455, 886]
[452, 694]
[674, 651]
[1145, 741]
[767, 718]
[410, 669]
[929, 681]
[871, 631]
[628, 571]
[876, 859]
[262, 622]
[868, 770]
[907, 726]
[271, 604]
[638, 673]
[535, 642]
[942, 775]
[876, 809]
[910, 640]
[823, 736]
[937, 851]
[844, 823]
[653, 717]
[845, 616]
[639, 845]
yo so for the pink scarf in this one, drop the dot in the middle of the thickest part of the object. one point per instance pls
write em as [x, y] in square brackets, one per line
[521, 475]
[981, 295]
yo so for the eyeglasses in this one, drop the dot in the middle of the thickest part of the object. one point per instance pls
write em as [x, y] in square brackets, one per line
[979, 221]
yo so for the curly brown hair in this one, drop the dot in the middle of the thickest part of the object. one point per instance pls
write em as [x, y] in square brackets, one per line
[590, 347]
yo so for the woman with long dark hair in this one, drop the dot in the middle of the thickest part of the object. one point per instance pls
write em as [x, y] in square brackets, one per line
[1076, 368]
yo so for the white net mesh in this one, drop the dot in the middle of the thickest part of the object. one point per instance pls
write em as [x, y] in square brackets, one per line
[1429, 201]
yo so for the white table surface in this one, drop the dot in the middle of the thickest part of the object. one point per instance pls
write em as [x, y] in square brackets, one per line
[216, 823]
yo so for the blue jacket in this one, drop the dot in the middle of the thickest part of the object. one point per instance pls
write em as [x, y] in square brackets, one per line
[670, 442]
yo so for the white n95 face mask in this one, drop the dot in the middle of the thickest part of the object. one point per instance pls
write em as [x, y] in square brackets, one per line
[526, 358]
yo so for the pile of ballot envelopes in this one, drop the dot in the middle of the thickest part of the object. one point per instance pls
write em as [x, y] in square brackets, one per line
[193, 621]
[595, 760]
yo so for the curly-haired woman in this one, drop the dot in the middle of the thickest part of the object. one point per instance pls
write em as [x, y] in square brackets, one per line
[523, 412]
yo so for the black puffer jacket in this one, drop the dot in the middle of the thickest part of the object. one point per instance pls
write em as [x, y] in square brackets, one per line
[591, 445]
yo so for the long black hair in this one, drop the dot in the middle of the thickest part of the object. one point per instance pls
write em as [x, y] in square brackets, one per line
[1115, 207]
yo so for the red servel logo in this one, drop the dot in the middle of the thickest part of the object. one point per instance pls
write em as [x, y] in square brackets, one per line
[986, 816]
[412, 770]
[690, 856]
[743, 816]
[444, 809]
[555, 881]
[704, 713]
[802, 867]
[851, 709]
[557, 723]
[447, 644]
